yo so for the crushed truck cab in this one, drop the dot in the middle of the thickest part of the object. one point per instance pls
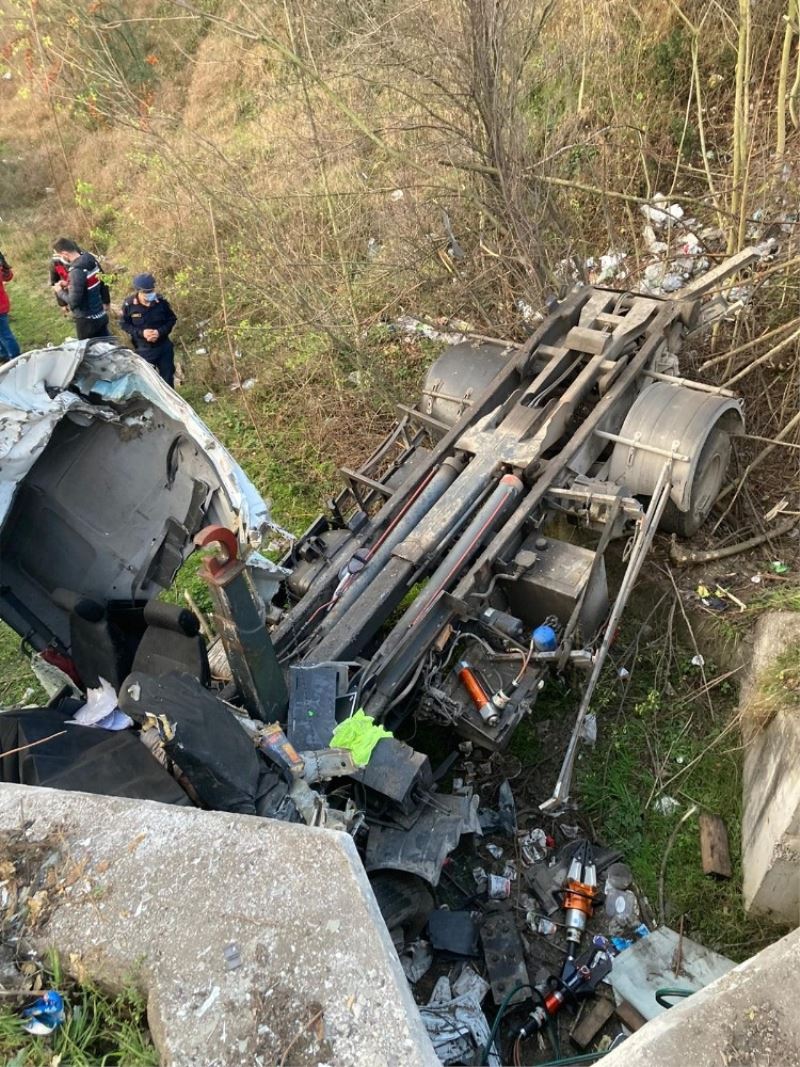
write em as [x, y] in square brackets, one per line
[463, 562]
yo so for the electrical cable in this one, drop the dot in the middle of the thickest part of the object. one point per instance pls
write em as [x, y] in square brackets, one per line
[664, 995]
[525, 663]
[498, 1019]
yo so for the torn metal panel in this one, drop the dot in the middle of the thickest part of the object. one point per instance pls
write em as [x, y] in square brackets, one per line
[32, 401]
[423, 848]
[119, 377]
[72, 419]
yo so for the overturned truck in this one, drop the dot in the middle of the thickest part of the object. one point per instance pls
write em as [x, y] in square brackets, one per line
[437, 585]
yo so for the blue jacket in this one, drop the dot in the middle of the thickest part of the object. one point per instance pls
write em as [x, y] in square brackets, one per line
[136, 318]
[88, 293]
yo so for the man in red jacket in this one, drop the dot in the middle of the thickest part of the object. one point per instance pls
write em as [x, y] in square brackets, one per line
[9, 345]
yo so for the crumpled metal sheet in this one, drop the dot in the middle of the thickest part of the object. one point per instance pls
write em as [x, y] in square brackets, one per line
[119, 376]
[32, 401]
[41, 387]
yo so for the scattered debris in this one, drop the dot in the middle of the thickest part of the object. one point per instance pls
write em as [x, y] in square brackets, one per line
[534, 845]
[101, 709]
[481, 879]
[456, 1024]
[267, 747]
[666, 805]
[417, 328]
[44, 1015]
[416, 960]
[503, 820]
[505, 958]
[499, 887]
[590, 1021]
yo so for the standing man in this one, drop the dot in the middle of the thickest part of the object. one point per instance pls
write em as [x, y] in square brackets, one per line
[87, 294]
[9, 345]
[149, 320]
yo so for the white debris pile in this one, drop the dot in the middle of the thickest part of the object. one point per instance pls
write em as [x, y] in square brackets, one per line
[679, 248]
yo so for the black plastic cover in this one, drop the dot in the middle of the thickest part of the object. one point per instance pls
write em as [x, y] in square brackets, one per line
[207, 743]
[84, 758]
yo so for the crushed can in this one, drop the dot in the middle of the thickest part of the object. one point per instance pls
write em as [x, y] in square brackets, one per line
[274, 743]
[498, 887]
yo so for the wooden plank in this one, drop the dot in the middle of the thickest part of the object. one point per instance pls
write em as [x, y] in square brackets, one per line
[708, 281]
[591, 1020]
[629, 1016]
[714, 848]
[579, 339]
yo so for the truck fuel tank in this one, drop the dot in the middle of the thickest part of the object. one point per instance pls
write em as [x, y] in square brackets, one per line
[553, 577]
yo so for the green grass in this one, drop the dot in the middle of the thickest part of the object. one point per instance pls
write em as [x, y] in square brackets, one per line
[16, 677]
[100, 1030]
[35, 323]
[291, 474]
[777, 689]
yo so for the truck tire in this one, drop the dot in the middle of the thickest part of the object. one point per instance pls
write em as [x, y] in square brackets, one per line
[405, 901]
[705, 488]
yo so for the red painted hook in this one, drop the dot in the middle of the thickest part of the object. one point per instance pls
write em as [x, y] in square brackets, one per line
[222, 536]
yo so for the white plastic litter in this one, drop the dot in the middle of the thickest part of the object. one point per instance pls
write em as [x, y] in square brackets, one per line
[665, 805]
[101, 709]
[533, 846]
[456, 1024]
[416, 960]
[589, 730]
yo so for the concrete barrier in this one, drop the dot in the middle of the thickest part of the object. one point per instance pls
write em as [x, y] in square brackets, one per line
[747, 1018]
[771, 814]
[160, 892]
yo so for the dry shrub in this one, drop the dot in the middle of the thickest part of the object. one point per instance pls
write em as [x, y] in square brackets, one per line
[308, 165]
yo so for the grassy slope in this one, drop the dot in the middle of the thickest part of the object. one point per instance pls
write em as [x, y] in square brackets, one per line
[659, 729]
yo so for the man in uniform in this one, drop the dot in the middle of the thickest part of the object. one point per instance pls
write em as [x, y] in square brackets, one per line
[87, 294]
[148, 319]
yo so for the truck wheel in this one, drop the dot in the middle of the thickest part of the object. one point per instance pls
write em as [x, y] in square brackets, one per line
[706, 484]
[405, 901]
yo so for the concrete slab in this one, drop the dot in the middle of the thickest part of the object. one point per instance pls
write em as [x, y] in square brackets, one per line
[771, 815]
[748, 1018]
[162, 891]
